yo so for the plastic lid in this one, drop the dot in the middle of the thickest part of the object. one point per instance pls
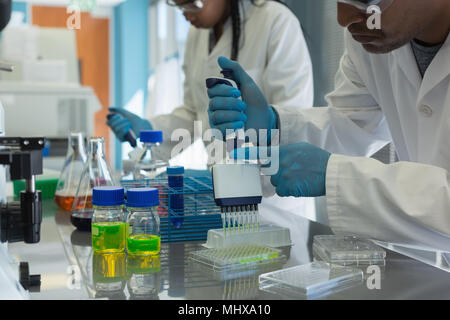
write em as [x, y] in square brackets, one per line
[108, 196]
[151, 136]
[142, 197]
[175, 170]
[347, 250]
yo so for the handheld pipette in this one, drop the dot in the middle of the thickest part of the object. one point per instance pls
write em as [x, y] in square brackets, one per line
[238, 191]
[238, 135]
[130, 137]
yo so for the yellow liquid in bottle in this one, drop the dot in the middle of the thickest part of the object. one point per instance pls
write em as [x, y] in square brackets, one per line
[108, 237]
[143, 245]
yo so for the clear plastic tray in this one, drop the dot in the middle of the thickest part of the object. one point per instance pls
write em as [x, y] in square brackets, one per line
[238, 258]
[310, 281]
[237, 273]
[268, 235]
[347, 250]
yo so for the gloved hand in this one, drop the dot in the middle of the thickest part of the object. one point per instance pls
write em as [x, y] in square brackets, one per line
[302, 168]
[226, 111]
[121, 121]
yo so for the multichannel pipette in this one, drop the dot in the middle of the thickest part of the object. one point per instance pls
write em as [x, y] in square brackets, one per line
[238, 191]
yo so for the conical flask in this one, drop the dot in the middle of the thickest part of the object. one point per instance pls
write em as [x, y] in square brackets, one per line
[70, 175]
[96, 173]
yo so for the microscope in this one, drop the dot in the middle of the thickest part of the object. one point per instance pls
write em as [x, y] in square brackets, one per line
[19, 220]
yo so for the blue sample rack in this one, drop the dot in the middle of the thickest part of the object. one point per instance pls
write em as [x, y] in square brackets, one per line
[200, 213]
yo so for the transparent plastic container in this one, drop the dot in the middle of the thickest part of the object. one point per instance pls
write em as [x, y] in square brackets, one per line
[109, 274]
[268, 235]
[347, 250]
[108, 229]
[175, 179]
[144, 277]
[96, 173]
[310, 281]
[147, 166]
[69, 178]
[143, 222]
[238, 258]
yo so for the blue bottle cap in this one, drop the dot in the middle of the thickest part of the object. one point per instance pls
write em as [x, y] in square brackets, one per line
[108, 196]
[142, 197]
[175, 170]
[151, 136]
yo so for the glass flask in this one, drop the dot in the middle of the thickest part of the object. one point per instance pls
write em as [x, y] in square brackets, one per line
[147, 166]
[144, 277]
[96, 173]
[108, 230]
[143, 223]
[71, 172]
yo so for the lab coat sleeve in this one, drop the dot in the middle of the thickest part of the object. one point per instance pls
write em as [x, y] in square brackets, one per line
[352, 124]
[181, 119]
[288, 76]
[404, 203]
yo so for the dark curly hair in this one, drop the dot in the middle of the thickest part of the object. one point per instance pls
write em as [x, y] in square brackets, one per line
[235, 13]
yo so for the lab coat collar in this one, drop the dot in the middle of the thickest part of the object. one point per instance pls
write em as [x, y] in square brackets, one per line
[438, 70]
[408, 64]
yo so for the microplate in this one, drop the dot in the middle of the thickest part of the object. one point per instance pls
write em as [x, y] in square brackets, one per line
[310, 281]
[268, 235]
[238, 258]
[348, 250]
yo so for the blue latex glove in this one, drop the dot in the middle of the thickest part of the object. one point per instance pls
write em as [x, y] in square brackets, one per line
[227, 111]
[302, 168]
[121, 121]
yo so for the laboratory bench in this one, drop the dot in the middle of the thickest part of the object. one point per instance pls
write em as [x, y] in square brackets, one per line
[69, 270]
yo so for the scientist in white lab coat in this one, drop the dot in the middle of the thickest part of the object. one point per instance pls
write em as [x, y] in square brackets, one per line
[264, 36]
[393, 85]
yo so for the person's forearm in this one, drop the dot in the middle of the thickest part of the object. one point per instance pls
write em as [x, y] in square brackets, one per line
[354, 132]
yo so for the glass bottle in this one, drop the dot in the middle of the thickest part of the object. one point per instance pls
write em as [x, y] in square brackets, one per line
[144, 277]
[108, 229]
[147, 166]
[71, 172]
[143, 233]
[96, 173]
[109, 275]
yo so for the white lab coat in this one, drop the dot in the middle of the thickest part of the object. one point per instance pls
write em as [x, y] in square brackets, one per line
[274, 52]
[378, 97]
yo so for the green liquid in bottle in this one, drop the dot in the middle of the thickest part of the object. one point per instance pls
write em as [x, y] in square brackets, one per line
[143, 245]
[108, 237]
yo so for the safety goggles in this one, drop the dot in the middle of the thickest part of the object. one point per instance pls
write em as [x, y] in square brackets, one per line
[187, 5]
[365, 4]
